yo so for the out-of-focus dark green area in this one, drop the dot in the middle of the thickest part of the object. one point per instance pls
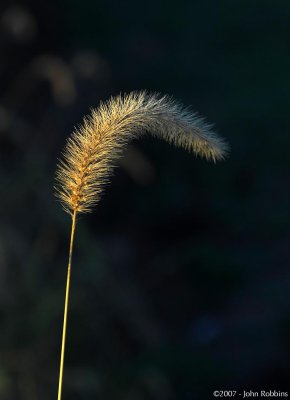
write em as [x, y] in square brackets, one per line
[181, 276]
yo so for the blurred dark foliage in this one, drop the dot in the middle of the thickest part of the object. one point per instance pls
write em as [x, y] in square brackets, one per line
[181, 276]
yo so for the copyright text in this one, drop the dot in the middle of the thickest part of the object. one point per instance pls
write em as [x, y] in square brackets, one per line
[249, 394]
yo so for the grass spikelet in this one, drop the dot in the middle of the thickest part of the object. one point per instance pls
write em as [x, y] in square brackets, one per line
[94, 148]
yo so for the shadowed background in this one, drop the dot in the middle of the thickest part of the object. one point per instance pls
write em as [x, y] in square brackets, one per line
[180, 279]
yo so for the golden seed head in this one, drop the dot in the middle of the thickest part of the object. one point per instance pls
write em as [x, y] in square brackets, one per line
[92, 149]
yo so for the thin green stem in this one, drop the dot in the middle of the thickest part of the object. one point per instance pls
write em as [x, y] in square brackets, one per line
[66, 305]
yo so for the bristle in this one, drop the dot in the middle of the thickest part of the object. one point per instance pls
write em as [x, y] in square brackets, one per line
[93, 148]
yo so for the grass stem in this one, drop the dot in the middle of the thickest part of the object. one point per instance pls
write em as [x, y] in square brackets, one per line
[66, 305]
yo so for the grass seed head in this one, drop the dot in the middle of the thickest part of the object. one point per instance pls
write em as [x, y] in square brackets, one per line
[94, 147]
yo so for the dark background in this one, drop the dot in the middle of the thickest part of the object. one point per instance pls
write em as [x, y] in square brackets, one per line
[181, 278]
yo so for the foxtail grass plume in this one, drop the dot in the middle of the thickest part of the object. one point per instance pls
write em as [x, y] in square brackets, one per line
[94, 148]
